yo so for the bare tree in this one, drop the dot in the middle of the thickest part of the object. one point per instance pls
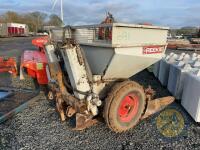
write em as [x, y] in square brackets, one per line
[54, 20]
[11, 16]
[34, 20]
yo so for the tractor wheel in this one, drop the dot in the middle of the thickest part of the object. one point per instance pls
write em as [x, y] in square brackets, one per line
[124, 106]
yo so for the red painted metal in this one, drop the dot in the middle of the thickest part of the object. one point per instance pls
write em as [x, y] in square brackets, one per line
[15, 31]
[40, 42]
[105, 33]
[152, 49]
[176, 46]
[23, 31]
[8, 65]
[146, 23]
[12, 30]
[35, 62]
[128, 107]
[9, 31]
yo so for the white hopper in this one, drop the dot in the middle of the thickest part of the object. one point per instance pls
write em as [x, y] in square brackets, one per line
[164, 69]
[128, 50]
[191, 94]
[176, 78]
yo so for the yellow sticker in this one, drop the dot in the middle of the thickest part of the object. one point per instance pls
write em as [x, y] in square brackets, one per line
[39, 66]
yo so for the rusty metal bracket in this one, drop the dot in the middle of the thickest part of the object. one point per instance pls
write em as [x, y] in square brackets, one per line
[156, 105]
[84, 121]
[150, 93]
[70, 111]
[60, 109]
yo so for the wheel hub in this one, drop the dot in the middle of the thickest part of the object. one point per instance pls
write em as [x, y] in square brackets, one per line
[128, 107]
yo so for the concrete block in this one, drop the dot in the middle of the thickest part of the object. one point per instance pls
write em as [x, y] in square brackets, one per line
[156, 69]
[164, 72]
[164, 69]
[180, 57]
[176, 78]
[156, 66]
[194, 55]
[191, 94]
[190, 59]
[196, 64]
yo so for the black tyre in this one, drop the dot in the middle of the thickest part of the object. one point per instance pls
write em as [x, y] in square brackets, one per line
[124, 106]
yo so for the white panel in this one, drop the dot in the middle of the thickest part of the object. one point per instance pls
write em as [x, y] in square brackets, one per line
[84, 35]
[176, 80]
[128, 61]
[98, 58]
[125, 36]
[18, 25]
[77, 72]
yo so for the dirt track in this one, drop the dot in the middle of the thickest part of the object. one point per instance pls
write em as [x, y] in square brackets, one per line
[38, 127]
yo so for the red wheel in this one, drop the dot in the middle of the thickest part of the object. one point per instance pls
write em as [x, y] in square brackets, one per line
[124, 106]
[128, 107]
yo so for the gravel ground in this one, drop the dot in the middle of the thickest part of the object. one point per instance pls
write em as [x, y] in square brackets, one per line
[38, 127]
[7, 80]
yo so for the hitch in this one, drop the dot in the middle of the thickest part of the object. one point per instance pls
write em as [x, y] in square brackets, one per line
[156, 105]
[83, 122]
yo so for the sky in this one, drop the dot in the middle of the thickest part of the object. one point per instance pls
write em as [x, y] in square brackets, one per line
[172, 13]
